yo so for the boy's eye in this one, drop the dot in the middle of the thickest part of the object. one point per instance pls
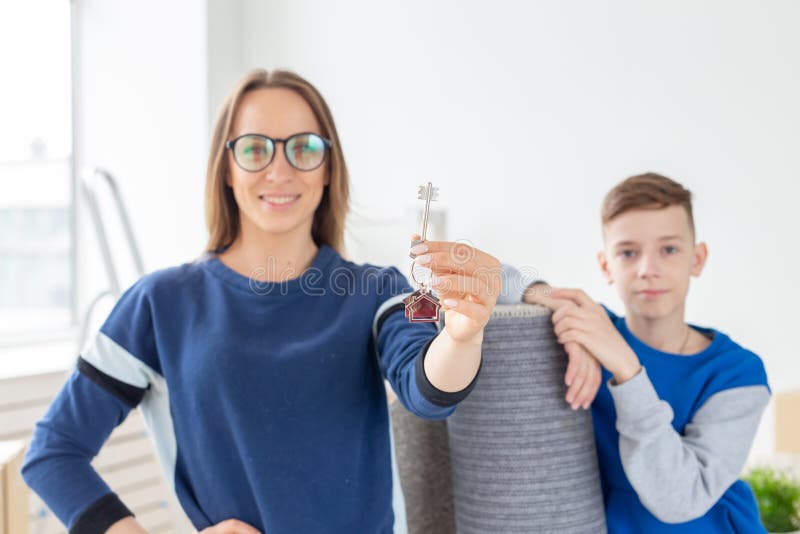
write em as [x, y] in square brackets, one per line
[627, 253]
[669, 249]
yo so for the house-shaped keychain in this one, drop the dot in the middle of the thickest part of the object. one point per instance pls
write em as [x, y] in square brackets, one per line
[422, 307]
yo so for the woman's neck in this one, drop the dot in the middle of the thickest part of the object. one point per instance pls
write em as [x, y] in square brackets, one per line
[270, 258]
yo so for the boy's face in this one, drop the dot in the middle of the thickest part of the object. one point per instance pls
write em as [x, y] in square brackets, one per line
[650, 254]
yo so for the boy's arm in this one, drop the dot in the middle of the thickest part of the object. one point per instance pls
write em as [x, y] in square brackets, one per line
[583, 375]
[680, 477]
[517, 285]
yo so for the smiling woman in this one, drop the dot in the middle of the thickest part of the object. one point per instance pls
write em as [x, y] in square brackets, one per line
[281, 105]
[260, 374]
[280, 203]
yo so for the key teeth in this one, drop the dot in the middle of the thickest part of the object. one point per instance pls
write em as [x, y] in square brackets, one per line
[421, 193]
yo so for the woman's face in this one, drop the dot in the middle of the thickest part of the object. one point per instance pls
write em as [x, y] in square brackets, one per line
[278, 199]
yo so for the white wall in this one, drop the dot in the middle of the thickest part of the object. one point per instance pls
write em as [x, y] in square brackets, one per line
[444, 91]
[141, 113]
[525, 114]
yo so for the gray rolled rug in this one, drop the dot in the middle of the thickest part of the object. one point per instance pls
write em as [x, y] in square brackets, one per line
[520, 460]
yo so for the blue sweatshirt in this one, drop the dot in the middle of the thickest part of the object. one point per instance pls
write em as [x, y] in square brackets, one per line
[265, 401]
[673, 440]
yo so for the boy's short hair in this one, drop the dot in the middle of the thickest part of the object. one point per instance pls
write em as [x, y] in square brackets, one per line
[646, 191]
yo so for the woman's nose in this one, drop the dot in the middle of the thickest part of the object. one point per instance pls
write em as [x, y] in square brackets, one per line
[279, 170]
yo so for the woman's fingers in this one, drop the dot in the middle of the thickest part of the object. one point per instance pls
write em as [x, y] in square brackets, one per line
[466, 280]
[458, 286]
[470, 308]
[455, 257]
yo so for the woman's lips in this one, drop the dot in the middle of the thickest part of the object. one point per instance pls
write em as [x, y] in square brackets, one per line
[278, 201]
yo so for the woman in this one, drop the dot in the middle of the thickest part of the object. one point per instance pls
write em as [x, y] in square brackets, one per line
[255, 367]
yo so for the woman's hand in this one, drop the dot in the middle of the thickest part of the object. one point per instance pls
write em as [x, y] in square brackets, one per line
[230, 526]
[467, 281]
[126, 525]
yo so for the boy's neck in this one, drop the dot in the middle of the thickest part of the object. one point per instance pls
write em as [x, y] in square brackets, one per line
[667, 334]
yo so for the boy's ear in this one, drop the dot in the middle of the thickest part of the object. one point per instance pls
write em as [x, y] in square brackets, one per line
[602, 261]
[699, 257]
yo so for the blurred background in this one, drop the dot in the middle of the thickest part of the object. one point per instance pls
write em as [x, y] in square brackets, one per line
[523, 113]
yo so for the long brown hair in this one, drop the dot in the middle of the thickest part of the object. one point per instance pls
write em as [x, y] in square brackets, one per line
[222, 212]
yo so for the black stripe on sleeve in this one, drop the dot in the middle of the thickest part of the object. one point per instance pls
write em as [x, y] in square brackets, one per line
[100, 515]
[435, 395]
[130, 395]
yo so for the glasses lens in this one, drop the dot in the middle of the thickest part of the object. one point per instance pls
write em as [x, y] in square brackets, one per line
[253, 152]
[305, 151]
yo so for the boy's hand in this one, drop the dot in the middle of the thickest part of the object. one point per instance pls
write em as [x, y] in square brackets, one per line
[588, 324]
[583, 375]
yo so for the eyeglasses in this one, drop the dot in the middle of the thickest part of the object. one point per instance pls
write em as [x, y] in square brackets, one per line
[303, 151]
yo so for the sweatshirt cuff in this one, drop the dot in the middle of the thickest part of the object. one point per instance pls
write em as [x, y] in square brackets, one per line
[100, 515]
[515, 285]
[635, 399]
[431, 393]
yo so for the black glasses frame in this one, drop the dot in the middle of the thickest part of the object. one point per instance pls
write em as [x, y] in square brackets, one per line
[325, 141]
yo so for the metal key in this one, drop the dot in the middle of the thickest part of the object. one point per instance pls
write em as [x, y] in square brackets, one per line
[428, 193]
[422, 306]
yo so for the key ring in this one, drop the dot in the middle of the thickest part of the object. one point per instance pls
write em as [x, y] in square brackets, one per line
[423, 286]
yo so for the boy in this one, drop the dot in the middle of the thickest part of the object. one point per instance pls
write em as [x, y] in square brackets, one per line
[680, 404]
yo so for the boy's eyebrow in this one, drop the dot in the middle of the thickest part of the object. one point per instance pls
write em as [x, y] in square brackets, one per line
[629, 243]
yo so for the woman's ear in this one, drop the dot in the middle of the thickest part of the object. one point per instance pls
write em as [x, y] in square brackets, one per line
[602, 261]
[699, 258]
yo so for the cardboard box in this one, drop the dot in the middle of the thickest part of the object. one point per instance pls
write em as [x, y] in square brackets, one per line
[787, 422]
[13, 491]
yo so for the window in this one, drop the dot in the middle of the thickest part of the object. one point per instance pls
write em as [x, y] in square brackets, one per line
[37, 275]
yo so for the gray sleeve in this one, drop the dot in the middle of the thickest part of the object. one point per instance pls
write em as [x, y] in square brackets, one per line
[680, 477]
[515, 282]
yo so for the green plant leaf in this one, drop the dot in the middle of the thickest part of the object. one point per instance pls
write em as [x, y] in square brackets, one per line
[778, 496]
